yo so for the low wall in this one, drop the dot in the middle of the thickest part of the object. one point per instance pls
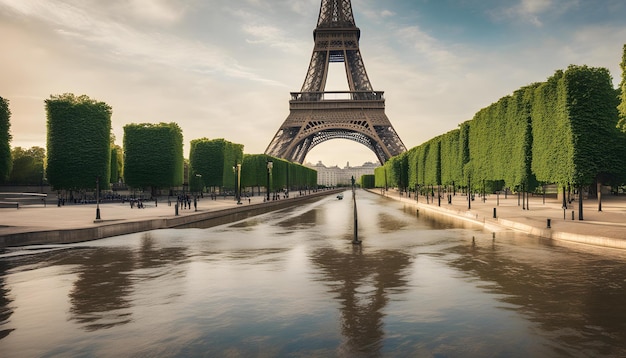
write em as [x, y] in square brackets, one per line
[207, 218]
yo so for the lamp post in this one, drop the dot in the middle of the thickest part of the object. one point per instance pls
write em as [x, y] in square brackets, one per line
[238, 184]
[270, 165]
[195, 197]
[98, 198]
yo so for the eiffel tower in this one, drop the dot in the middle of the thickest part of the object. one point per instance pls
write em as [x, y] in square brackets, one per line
[316, 116]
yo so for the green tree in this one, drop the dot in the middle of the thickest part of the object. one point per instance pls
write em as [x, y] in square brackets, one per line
[5, 140]
[153, 155]
[117, 163]
[78, 142]
[214, 160]
[367, 181]
[254, 172]
[28, 166]
[622, 94]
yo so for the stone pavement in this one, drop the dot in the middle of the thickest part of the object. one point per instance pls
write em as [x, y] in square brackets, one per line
[36, 217]
[602, 228]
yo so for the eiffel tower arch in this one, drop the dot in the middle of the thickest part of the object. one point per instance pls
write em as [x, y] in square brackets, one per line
[316, 116]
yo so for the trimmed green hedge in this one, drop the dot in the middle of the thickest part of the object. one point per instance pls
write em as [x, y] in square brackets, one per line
[28, 166]
[367, 181]
[117, 163]
[622, 94]
[560, 131]
[153, 155]
[5, 140]
[78, 142]
[284, 174]
[214, 160]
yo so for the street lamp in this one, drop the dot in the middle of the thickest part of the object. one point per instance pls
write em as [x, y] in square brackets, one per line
[195, 197]
[237, 169]
[98, 198]
[270, 165]
[238, 184]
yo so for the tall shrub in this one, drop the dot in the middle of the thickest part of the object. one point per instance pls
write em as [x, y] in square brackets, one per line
[5, 140]
[153, 155]
[78, 142]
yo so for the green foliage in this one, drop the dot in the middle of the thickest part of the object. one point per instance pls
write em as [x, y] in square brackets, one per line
[254, 170]
[432, 162]
[153, 155]
[28, 166]
[117, 163]
[380, 179]
[574, 120]
[5, 140]
[233, 155]
[560, 131]
[553, 147]
[451, 163]
[215, 161]
[78, 142]
[397, 171]
[367, 181]
[593, 114]
[284, 174]
[622, 93]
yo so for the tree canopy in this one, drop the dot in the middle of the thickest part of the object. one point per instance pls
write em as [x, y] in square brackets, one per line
[78, 142]
[28, 166]
[559, 131]
[5, 140]
[214, 160]
[153, 155]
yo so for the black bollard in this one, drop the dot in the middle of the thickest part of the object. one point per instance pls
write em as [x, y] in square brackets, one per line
[176, 210]
[494, 213]
[548, 222]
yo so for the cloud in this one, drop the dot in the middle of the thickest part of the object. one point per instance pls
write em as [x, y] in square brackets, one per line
[271, 36]
[387, 13]
[426, 47]
[127, 44]
[529, 11]
[161, 12]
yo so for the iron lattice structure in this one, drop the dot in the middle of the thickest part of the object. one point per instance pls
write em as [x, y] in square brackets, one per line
[316, 116]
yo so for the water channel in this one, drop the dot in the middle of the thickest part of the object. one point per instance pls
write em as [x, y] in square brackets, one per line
[290, 283]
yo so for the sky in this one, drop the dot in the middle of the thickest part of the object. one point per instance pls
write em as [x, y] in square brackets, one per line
[225, 68]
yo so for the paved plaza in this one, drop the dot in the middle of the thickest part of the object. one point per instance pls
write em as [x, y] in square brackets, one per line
[602, 228]
[36, 217]
[605, 228]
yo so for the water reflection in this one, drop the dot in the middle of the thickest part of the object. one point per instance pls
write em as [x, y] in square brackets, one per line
[289, 283]
[575, 299]
[362, 283]
[5, 309]
[100, 295]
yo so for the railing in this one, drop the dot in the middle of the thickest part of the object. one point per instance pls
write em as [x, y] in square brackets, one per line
[338, 96]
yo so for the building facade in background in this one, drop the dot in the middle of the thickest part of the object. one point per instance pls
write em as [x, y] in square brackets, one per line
[334, 176]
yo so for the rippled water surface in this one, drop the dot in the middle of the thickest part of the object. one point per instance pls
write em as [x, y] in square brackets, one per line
[290, 283]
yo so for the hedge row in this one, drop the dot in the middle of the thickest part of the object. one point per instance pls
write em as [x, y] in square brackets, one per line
[78, 142]
[153, 155]
[212, 164]
[622, 94]
[561, 131]
[5, 140]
